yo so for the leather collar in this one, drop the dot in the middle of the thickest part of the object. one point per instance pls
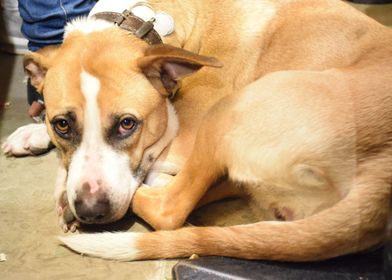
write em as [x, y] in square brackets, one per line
[128, 21]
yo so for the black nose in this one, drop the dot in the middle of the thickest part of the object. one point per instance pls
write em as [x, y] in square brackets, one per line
[90, 207]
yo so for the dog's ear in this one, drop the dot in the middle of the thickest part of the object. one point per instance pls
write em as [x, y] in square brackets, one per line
[37, 63]
[165, 66]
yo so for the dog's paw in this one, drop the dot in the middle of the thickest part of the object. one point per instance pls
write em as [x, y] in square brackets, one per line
[67, 219]
[31, 139]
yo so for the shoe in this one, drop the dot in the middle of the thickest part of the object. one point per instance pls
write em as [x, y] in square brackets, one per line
[11, 38]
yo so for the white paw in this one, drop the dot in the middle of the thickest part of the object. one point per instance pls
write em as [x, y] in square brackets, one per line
[31, 139]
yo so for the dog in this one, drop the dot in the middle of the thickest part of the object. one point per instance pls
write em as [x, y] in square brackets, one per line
[290, 101]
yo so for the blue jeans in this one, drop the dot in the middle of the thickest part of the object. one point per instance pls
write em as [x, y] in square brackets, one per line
[44, 20]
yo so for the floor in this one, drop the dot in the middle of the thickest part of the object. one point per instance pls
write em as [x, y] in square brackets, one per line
[28, 223]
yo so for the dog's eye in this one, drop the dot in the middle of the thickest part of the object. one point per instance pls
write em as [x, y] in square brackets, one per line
[127, 125]
[61, 126]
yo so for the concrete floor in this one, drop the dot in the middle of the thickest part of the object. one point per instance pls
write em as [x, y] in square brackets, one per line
[28, 223]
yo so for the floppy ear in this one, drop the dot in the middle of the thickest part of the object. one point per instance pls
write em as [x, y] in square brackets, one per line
[36, 64]
[165, 66]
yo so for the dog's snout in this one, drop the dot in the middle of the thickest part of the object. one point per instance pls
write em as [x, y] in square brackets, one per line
[91, 207]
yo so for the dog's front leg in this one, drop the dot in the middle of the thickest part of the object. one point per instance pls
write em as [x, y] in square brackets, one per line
[154, 191]
[168, 207]
[67, 220]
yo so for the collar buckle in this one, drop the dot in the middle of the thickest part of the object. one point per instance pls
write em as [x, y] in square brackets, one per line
[146, 27]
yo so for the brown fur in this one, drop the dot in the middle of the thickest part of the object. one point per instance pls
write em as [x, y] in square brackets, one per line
[300, 116]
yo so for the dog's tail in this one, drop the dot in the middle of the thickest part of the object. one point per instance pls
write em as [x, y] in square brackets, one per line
[355, 223]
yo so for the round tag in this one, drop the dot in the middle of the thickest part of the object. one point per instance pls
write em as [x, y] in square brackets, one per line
[164, 24]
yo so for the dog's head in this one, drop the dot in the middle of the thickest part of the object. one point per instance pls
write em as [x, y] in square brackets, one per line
[106, 106]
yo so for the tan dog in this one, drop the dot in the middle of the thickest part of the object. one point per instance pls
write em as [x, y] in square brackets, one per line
[299, 119]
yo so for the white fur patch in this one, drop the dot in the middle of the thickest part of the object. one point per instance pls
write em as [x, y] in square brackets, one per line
[90, 86]
[117, 246]
[87, 25]
[97, 163]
